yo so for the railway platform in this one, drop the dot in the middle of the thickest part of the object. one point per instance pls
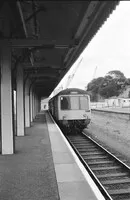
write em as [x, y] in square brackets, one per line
[44, 167]
[114, 109]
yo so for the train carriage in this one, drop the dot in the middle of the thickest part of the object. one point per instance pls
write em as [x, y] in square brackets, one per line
[71, 109]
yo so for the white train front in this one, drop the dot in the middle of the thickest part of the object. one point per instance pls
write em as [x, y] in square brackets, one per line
[71, 109]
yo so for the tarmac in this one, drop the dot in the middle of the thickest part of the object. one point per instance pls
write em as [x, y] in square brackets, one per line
[29, 173]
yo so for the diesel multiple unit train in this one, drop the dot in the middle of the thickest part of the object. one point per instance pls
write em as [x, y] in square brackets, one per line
[71, 109]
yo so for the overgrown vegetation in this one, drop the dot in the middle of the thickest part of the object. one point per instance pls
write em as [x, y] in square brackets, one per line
[112, 84]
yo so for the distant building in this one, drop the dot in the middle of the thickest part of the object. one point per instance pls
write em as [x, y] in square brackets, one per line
[125, 93]
[117, 102]
[44, 104]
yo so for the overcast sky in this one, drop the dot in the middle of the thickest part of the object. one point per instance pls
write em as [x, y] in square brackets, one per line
[108, 50]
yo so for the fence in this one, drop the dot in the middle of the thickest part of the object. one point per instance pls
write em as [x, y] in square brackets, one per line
[107, 104]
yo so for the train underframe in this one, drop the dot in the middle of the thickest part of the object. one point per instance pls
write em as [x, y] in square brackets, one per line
[73, 126]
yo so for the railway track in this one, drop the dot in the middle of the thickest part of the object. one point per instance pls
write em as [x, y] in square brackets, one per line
[110, 174]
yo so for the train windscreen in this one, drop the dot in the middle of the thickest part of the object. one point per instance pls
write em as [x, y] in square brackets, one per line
[74, 103]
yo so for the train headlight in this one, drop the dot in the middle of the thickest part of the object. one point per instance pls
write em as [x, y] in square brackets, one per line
[64, 116]
[85, 115]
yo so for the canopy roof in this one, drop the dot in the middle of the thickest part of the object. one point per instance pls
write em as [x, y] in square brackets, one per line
[48, 36]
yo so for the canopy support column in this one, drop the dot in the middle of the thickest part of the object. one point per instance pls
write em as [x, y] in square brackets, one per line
[20, 101]
[7, 135]
[27, 105]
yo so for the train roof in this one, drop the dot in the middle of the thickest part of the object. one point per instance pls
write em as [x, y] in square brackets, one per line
[69, 90]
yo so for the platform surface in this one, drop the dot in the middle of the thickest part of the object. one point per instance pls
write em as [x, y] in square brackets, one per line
[114, 109]
[29, 173]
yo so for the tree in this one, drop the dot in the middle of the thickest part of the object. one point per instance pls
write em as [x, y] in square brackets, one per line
[95, 84]
[109, 90]
[127, 81]
[116, 74]
[93, 87]
[111, 84]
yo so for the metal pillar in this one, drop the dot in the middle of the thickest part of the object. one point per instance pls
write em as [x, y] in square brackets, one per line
[33, 98]
[27, 105]
[31, 105]
[7, 136]
[20, 102]
[34, 105]
[38, 104]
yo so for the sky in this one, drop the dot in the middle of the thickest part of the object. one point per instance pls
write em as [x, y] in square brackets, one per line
[108, 50]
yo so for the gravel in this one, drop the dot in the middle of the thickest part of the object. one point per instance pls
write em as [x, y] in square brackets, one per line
[112, 133]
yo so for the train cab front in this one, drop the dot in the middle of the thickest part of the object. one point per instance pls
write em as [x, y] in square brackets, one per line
[74, 112]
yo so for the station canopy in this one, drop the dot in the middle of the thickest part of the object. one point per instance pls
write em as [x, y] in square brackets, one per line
[47, 37]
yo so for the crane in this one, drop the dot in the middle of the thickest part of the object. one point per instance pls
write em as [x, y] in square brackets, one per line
[56, 91]
[94, 74]
[70, 77]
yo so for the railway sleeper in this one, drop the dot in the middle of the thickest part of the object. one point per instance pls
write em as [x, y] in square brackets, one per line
[87, 147]
[96, 162]
[76, 137]
[107, 171]
[111, 176]
[83, 143]
[92, 157]
[121, 196]
[80, 142]
[88, 150]
[102, 164]
[79, 139]
[119, 186]
[119, 192]
[84, 152]
[116, 181]
[106, 168]
[96, 159]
